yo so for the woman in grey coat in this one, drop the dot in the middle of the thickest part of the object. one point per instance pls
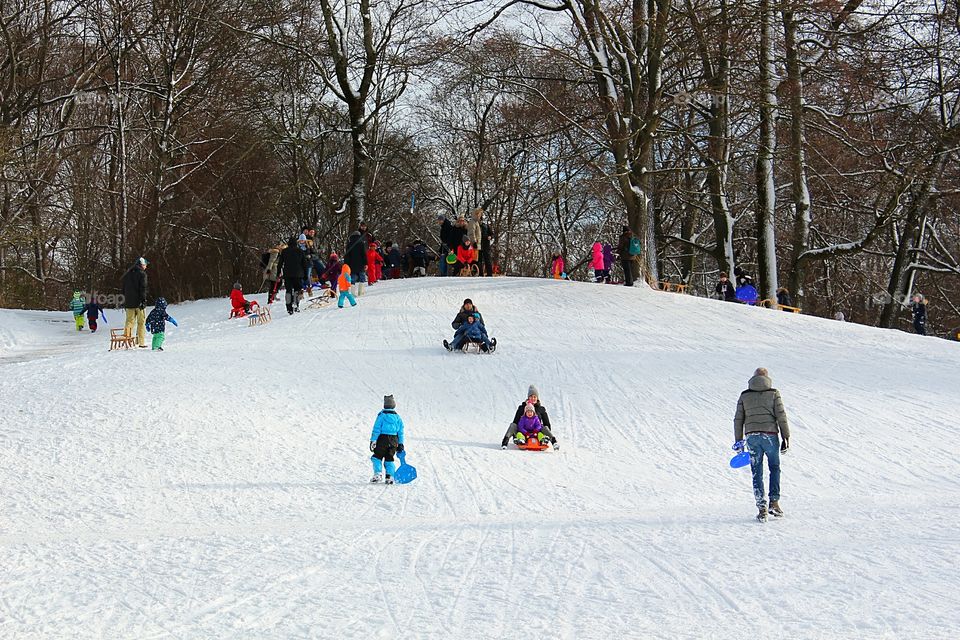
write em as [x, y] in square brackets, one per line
[763, 420]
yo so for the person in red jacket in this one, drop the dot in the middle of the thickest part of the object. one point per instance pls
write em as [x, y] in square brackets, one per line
[374, 263]
[241, 306]
[466, 255]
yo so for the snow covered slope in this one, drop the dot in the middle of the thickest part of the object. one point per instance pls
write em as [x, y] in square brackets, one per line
[219, 489]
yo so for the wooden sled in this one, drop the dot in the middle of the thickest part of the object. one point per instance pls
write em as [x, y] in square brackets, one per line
[470, 271]
[259, 315]
[121, 340]
[326, 297]
[532, 444]
[679, 287]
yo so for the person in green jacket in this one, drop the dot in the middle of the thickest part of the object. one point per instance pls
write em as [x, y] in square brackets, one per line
[76, 306]
[763, 420]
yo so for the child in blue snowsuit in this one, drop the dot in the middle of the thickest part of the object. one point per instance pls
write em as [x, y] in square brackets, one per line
[386, 441]
[157, 323]
[472, 329]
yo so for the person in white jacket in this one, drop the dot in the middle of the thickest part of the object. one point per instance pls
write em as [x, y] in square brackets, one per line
[473, 227]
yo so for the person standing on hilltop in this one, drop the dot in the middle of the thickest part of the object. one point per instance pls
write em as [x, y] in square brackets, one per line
[292, 267]
[919, 309]
[356, 256]
[627, 259]
[135, 301]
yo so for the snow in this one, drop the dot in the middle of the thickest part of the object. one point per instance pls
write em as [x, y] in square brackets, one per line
[219, 489]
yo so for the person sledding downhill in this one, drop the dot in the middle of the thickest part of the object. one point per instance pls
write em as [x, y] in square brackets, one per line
[762, 417]
[386, 441]
[470, 328]
[530, 428]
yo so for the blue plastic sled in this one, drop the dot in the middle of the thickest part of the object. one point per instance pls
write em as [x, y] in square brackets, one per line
[405, 473]
[742, 459]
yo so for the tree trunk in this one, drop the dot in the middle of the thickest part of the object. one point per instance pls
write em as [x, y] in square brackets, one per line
[765, 179]
[800, 193]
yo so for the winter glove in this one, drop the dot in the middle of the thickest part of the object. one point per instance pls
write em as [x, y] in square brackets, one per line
[373, 445]
[740, 445]
[400, 448]
[784, 445]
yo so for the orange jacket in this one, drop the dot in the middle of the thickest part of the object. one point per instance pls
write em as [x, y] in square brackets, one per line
[466, 255]
[343, 282]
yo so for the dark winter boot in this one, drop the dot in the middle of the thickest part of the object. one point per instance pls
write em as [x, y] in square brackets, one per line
[493, 345]
[503, 445]
[446, 345]
[775, 509]
[762, 515]
[389, 480]
[556, 446]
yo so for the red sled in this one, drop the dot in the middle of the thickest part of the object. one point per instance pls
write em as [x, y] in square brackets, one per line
[532, 444]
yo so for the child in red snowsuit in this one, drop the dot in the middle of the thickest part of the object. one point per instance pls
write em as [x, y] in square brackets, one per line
[241, 306]
[374, 263]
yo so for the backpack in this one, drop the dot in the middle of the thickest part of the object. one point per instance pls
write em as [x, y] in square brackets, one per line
[635, 247]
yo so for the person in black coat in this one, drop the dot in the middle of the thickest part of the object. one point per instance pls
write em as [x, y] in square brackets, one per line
[626, 260]
[467, 309]
[292, 266]
[725, 289]
[356, 255]
[533, 397]
[485, 259]
[134, 287]
[783, 298]
[450, 237]
[919, 308]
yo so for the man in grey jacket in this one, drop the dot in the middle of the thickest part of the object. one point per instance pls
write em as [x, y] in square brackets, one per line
[762, 418]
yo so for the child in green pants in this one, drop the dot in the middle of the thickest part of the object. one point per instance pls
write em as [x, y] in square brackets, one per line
[76, 305]
[157, 323]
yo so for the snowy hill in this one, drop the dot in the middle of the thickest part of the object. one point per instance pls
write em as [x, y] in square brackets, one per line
[219, 489]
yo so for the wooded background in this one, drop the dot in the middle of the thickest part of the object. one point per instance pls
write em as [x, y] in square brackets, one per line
[813, 142]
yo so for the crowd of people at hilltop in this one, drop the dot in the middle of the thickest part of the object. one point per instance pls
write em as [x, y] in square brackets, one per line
[465, 247]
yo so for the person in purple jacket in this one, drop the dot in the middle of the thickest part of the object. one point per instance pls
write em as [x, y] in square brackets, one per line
[607, 260]
[528, 425]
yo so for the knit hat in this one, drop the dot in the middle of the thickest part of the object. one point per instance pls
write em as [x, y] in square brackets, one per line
[532, 391]
[143, 262]
[334, 256]
[468, 301]
[389, 402]
[237, 285]
[529, 407]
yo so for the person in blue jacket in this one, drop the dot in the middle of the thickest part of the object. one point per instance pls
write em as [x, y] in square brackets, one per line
[386, 440]
[157, 323]
[472, 329]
